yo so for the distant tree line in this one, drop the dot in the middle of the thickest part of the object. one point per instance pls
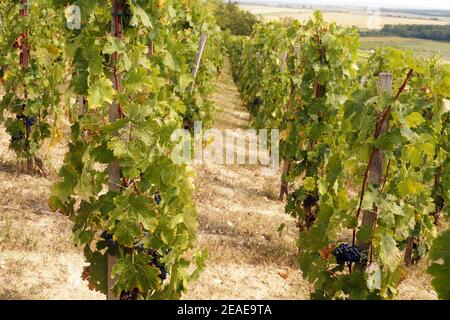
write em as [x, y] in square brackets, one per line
[421, 12]
[230, 17]
[429, 32]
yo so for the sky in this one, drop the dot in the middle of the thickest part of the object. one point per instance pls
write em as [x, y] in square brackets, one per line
[404, 4]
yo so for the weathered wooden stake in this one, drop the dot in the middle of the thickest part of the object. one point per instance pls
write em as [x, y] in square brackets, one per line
[284, 185]
[375, 177]
[81, 106]
[284, 189]
[198, 60]
[283, 61]
[409, 251]
[114, 174]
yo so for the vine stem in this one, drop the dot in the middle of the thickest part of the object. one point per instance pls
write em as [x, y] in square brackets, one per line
[363, 190]
[371, 239]
[24, 48]
[378, 128]
[284, 187]
[386, 175]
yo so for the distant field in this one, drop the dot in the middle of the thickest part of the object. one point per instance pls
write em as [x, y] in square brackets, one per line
[425, 47]
[347, 18]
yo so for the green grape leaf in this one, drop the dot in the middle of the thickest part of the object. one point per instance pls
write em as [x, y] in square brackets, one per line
[309, 183]
[200, 263]
[172, 62]
[135, 271]
[440, 267]
[389, 141]
[113, 45]
[131, 211]
[414, 120]
[409, 187]
[97, 270]
[386, 248]
[374, 277]
[140, 15]
[100, 92]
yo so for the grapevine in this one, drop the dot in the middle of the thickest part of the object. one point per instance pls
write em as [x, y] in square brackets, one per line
[364, 143]
[33, 63]
[368, 162]
[131, 204]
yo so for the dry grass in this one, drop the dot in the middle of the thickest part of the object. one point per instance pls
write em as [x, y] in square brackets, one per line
[416, 285]
[37, 257]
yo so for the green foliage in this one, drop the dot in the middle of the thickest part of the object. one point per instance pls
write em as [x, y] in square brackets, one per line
[440, 267]
[429, 32]
[148, 220]
[32, 91]
[230, 17]
[327, 107]
[405, 204]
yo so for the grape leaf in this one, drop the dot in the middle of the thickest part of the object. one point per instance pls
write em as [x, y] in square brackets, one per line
[100, 92]
[135, 271]
[440, 267]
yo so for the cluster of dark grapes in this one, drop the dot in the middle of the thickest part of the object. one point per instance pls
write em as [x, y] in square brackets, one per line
[187, 25]
[293, 197]
[346, 253]
[439, 203]
[110, 243]
[17, 136]
[29, 121]
[310, 201]
[155, 262]
[157, 199]
[255, 104]
[130, 295]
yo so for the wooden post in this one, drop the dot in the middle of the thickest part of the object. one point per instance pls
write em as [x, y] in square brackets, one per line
[81, 106]
[151, 49]
[375, 177]
[114, 175]
[198, 60]
[283, 61]
[284, 186]
[409, 251]
[284, 189]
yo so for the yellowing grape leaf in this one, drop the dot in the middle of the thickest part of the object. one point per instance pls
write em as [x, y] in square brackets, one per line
[100, 92]
[414, 120]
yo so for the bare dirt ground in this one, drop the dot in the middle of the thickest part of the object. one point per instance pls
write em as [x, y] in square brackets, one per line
[37, 258]
[238, 212]
[239, 217]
